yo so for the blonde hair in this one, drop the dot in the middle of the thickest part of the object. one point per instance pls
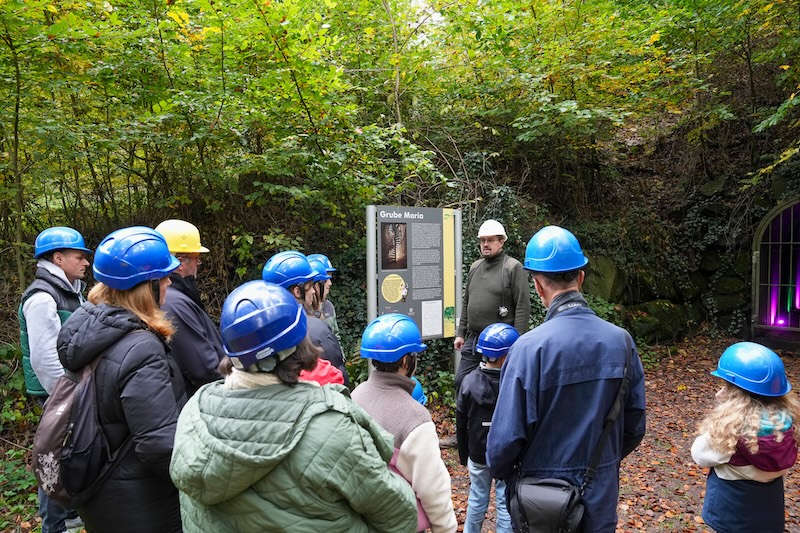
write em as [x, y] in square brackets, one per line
[738, 414]
[139, 300]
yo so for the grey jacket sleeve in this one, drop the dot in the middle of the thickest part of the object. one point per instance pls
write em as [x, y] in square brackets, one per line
[462, 321]
[43, 324]
[520, 289]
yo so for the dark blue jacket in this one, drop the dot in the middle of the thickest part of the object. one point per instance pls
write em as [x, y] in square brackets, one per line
[474, 409]
[557, 385]
[197, 343]
[321, 335]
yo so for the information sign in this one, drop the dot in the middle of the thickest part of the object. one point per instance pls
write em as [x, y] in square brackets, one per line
[416, 267]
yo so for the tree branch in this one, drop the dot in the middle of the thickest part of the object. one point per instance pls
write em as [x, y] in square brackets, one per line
[293, 75]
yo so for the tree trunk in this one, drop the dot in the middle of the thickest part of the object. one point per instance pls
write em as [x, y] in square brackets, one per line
[396, 91]
[19, 203]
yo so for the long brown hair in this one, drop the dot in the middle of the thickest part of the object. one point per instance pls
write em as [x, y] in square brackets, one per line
[139, 300]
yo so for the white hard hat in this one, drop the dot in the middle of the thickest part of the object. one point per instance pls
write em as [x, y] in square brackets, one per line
[492, 227]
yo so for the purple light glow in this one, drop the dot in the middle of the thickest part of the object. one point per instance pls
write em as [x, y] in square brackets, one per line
[774, 289]
[781, 322]
[773, 303]
[797, 284]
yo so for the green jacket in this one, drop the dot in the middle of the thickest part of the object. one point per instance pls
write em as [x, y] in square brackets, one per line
[281, 458]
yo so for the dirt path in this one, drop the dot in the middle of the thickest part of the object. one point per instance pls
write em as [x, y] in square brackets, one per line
[661, 488]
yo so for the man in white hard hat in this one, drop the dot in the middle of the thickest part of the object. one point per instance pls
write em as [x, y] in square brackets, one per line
[196, 344]
[496, 291]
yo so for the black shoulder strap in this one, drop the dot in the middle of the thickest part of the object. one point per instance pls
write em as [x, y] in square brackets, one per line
[611, 418]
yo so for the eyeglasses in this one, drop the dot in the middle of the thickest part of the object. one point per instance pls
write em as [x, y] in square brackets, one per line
[185, 257]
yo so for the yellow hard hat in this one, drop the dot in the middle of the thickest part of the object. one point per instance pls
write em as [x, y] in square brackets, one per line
[181, 237]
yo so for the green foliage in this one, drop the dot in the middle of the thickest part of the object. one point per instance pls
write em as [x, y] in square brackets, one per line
[605, 310]
[17, 411]
[17, 415]
[440, 386]
[650, 356]
[277, 122]
[784, 111]
[17, 489]
[251, 252]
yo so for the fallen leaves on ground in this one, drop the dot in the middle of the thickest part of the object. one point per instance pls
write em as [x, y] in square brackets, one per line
[661, 488]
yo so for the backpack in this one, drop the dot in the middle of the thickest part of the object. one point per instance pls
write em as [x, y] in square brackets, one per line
[71, 454]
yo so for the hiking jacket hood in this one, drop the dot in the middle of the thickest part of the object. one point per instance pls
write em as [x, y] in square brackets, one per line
[91, 330]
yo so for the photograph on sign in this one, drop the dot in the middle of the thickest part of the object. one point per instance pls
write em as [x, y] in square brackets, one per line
[394, 246]
[394, 289]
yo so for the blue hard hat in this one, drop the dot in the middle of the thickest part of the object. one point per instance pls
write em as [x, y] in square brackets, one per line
[58, 238]
[320, 274]
[754, 368]
[389, 337]
[129, 256]
[259, 319]
[418, 394]
[287, 269]
[325, 261]
[495, 340]
[554, 249]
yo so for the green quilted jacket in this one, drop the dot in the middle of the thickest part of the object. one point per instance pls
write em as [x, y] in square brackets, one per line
[281, 458]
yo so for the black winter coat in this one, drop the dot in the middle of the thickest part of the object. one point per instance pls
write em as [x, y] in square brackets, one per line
[197, 343]
[321, 335]
[139, 393]
[474, 409]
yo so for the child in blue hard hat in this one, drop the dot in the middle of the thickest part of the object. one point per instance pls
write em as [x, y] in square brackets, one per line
[474, 410]
[748, 441]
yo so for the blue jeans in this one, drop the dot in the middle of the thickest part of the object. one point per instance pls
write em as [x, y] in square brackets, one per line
[480, 482]
[52, 513]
